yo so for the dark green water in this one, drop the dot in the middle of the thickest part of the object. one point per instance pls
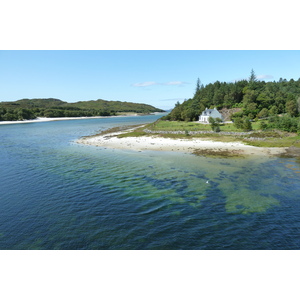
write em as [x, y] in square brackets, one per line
[56, 194]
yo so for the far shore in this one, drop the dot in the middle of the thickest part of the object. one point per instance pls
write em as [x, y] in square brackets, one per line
[39, 119]
[195, 145]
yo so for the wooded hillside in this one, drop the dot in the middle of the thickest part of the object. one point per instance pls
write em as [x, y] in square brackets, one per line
[255, 98]
[31, 108]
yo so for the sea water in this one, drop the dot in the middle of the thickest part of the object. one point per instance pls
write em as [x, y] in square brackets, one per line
[57, 194]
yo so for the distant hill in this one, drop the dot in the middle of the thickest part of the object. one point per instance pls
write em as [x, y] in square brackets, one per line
[51, 107]
[40, 103]
[117, 106]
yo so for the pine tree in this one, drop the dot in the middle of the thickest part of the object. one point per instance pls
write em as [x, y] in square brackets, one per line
[252, 77]
[198, 86]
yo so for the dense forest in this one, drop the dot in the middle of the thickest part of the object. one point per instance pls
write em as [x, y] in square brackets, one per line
[26, 109]
[254, 98]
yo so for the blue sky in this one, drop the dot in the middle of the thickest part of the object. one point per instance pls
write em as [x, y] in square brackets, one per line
[156, 77]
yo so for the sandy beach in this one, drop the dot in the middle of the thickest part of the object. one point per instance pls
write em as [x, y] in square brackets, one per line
[45, 120]
[40, 119]
[154, 143]
[62, 119]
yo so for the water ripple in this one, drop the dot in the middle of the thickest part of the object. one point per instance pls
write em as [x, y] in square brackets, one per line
[56, 194]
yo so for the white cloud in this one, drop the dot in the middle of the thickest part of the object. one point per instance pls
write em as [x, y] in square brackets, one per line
[261, 77]
[147, 83]
[175, 83]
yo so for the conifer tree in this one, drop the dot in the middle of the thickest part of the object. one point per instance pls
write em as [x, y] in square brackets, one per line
[252, 77]
[198, 86]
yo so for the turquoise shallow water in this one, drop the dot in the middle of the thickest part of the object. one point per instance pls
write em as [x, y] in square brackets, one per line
[56, 194]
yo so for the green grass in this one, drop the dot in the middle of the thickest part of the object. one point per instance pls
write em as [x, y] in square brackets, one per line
[274, 138]
[136, 133]
[286, 141]
[193, 126]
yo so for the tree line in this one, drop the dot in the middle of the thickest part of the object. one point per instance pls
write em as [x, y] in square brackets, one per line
[26, 109]
[255, 98]
[20, 114]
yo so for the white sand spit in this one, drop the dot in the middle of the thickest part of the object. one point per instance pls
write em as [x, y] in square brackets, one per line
[40, 119]
[46, 120]
[154, 143]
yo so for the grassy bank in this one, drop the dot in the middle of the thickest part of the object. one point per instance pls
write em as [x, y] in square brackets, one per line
[195, 126]
[258, 138]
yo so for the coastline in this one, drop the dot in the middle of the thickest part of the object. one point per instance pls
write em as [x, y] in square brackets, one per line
[39, 119]
[196, 146]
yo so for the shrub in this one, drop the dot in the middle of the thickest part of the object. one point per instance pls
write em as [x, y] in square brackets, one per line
[243, 124]
[238, 122]
[215, 124]
[285, 123]
[263, 126]
[263, 113]
[247, 126]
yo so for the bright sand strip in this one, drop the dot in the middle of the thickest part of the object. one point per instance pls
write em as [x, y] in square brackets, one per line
[154, 143]
[63, 119]
[45, 120]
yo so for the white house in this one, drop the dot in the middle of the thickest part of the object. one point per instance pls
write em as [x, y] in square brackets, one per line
[210, 113]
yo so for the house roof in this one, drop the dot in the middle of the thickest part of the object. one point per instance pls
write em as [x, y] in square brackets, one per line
[207, 112]
[211, 113]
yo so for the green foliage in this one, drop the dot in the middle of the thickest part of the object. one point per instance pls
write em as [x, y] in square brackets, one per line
[162, 125]
[198, 86]
[237, 115]
[187, 111]
[263, 125]
[291, 108]
[243, 123]
[263, 113]
[176, 112]
[273, 111]
[247, 126]
[26, 109]
[258, 99]
[166, 118]
[254, 96]
[215, 124]
[17, 114]
[238, 122]
[252, 77]
[285, 123]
